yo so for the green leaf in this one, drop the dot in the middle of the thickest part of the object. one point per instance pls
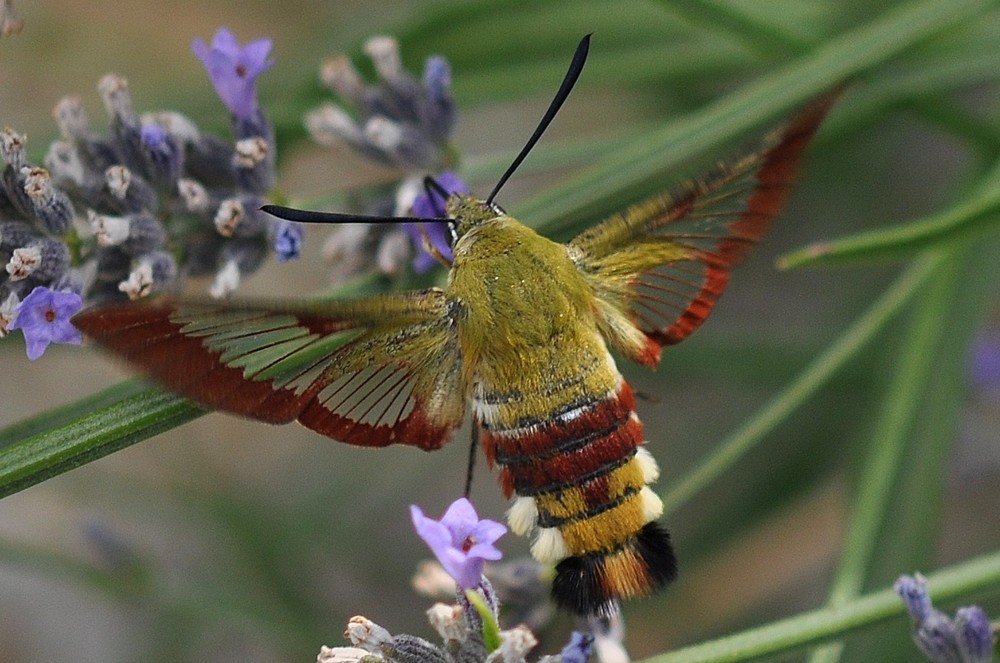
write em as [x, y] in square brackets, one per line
[979, 209]
[817, 626]
[637, 167]
[124, 421]
[847, 345]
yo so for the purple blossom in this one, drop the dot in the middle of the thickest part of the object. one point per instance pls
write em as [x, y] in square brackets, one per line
[233, 69]
[460, 540]
[287, 240]
[44, 317]
[153, 135]
[578, 649]
[431, 205]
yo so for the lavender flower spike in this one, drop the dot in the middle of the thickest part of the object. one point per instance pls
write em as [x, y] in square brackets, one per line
[460, 540]
[234, 69]
[967, 638]
[43, 317]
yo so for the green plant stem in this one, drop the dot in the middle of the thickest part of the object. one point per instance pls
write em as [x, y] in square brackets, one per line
[123, 422]
[978, 209]
[817, 373]
[883, 463]
[760, 36]
[974, 576]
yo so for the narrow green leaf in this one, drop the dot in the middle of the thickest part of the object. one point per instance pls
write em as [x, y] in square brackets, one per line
[120, 424]
[638, 166]
[978, 575]
[891, 438]
[983, 207]
[817, 373]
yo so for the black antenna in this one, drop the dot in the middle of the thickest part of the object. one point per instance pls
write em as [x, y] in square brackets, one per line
[432, 186]
[573, 73]
[309, 216]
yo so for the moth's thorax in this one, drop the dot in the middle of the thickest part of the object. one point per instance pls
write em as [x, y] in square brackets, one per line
[528, 336]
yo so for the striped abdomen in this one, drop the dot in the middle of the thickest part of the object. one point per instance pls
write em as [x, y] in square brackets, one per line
[580, 474]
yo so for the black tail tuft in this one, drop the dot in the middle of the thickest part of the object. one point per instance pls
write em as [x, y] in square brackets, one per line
[587, 584]
[654, 547]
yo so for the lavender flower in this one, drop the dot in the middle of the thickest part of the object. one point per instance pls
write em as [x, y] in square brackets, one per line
[966, 639]
[401, 121]
[159, 196]
[287, 240]
[234, 69]
[460, 540]
[431, 204]
[578, 649]
[43, 316]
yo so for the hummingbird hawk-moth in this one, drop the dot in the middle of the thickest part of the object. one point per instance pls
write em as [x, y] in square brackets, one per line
[521, 335]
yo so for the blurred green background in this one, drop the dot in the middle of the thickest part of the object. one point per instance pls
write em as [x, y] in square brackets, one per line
[227, 540]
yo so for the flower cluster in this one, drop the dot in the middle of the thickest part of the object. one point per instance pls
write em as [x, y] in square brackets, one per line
[401, 122]
[468, 629]
[371, 643]
[967, 638]
[123, 213]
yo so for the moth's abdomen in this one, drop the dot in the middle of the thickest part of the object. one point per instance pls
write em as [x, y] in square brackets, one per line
[581, 478]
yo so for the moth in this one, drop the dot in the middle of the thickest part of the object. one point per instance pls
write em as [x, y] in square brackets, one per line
[521, 334]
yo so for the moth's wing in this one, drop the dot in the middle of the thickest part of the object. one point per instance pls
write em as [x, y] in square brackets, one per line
[372, 372]
[658, 268]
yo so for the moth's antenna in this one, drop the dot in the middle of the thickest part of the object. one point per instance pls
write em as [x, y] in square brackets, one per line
[309, 216]
[573, 73]
[432, 185]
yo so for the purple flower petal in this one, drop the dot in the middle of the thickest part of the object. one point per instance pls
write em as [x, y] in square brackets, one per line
[460, 540]
[233, 69]
[44, 317]
[287, 240]
[432, 205]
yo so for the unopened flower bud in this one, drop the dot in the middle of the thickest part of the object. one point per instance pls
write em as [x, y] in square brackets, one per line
[340, 76]
[437, 108]
[448, 620]
[71, 118]
[364, 633]
[384, 53]
[117, 100]
[330, 124]
[43, 259]
[253, 164]
[152, 272]
[162, 156]
[131, 192]
[411, 649]
[52, 208]
[974, 635]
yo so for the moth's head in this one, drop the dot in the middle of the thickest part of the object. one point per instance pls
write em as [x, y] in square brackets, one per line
[466, 212]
